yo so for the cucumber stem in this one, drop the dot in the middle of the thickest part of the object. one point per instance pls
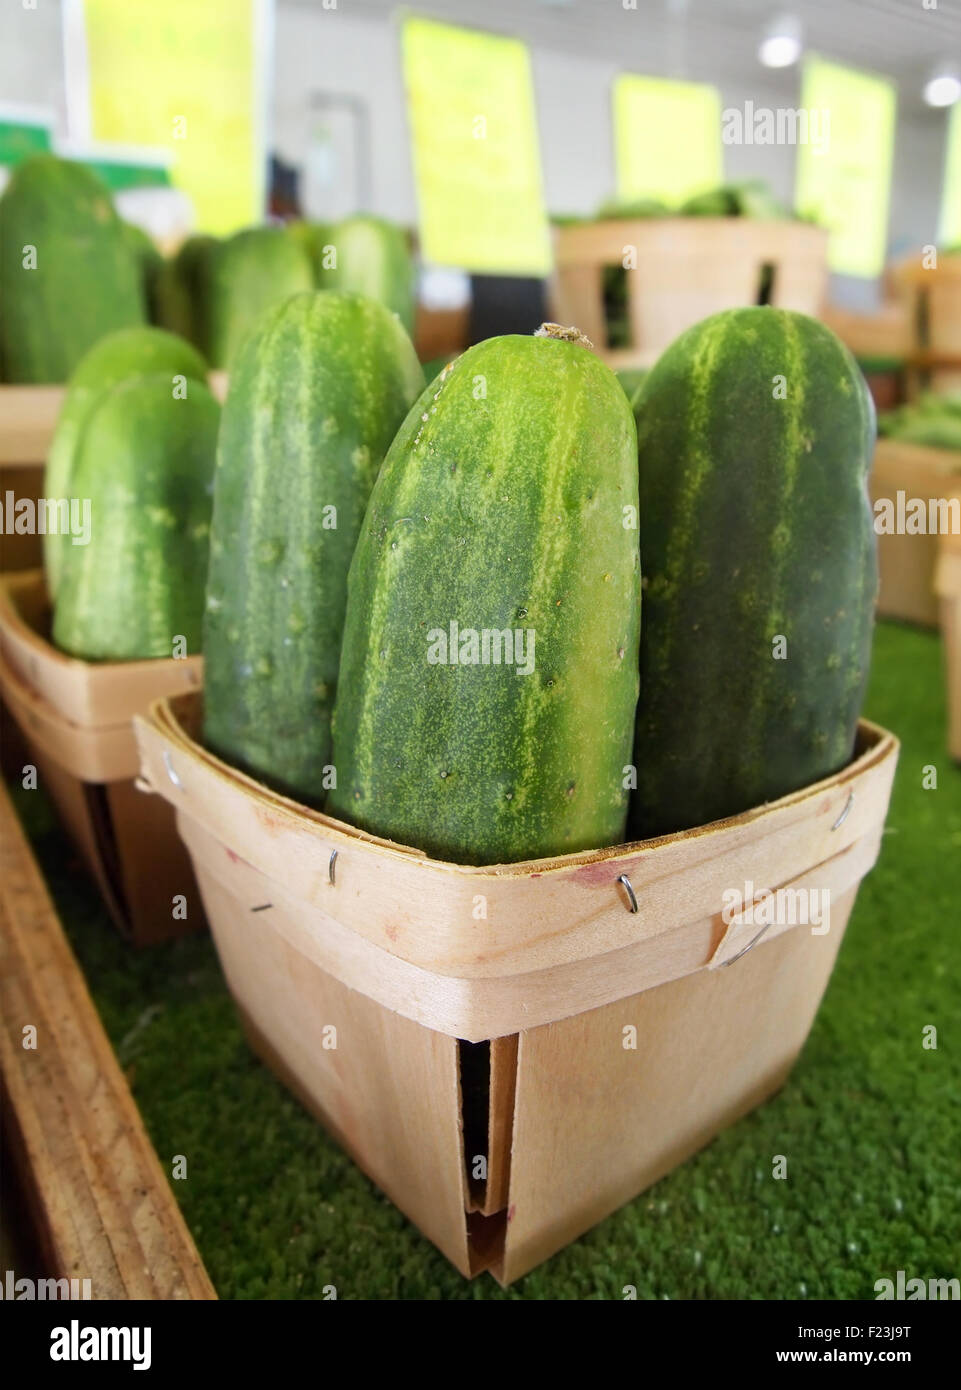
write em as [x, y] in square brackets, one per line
[567, 335]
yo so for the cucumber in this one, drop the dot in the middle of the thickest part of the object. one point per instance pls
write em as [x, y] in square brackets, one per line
[500, 506]
[373, 258]
[248, 273]
[315, 398]
[145, 462]
[67, 273]
[755, 526]
[130, 352]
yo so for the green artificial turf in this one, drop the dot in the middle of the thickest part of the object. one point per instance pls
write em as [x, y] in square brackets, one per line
[870, 1121]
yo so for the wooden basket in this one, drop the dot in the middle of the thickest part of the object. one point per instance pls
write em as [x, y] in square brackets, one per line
[28, 415]
[933, 302]
[948, 588]
[75, 719]
[466, 1033]
[687, 268]
[907, 562]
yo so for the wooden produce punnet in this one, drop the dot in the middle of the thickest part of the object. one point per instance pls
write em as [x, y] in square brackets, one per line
[929, 287]
[685, 268]
[512, 1051]
[509, 1077]
[75, 720]
[902, 476]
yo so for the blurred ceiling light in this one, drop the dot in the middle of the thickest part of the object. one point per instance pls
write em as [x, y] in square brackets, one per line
[781, 44]
[943, 88]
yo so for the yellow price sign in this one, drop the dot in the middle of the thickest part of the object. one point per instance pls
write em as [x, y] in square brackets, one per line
[185, 77]
[949, 233]
[470, 100]
[667, 138]
[844, 179]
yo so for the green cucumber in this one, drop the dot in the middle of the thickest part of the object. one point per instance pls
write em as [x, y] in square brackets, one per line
[505, 503]
[150, 263]
[316, 396]
[373, 258]
[145, 462]
[67, 273]
[131, 352]
[755, 436]
[248, 273]
[182, 291]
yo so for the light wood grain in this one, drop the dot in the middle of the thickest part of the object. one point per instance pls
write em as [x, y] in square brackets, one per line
[28, 416]
[907, 562]
[540, 913]
[75, 720]
[686, 269]
[595, 1123]
[483, 1007]
[100, 1197]
[90, 694]
[388, 1091]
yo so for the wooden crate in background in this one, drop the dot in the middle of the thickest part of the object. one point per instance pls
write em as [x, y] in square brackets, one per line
[932, 301]
[687, 268]
[907, 562]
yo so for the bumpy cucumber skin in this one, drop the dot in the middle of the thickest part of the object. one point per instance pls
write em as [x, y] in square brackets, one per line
[755, 523]
[86, 281]
[316, 396]
[501, 504]
[248, 273]
[146, 463]
[130, 352]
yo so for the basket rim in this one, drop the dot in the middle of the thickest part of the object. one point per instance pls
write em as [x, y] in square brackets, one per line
[874, 745]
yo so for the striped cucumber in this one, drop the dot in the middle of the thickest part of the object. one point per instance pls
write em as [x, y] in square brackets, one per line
[145, 462]
[488, 677]
[130, 352]
[755, 436]
[316, 396]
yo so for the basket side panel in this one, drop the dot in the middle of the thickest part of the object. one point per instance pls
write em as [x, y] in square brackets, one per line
[597, 1122]
[153, 865]
[388, 1091]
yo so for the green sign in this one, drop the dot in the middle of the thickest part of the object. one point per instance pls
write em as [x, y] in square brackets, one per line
[122, 174]
[844, 177]
[470, 101]
[21, 135]
[667, 138]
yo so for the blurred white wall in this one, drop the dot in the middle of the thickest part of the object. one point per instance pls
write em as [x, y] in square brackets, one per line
[340, 52]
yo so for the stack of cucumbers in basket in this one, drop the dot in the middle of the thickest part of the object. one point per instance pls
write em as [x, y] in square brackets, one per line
[508, 614]
[496, 619]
